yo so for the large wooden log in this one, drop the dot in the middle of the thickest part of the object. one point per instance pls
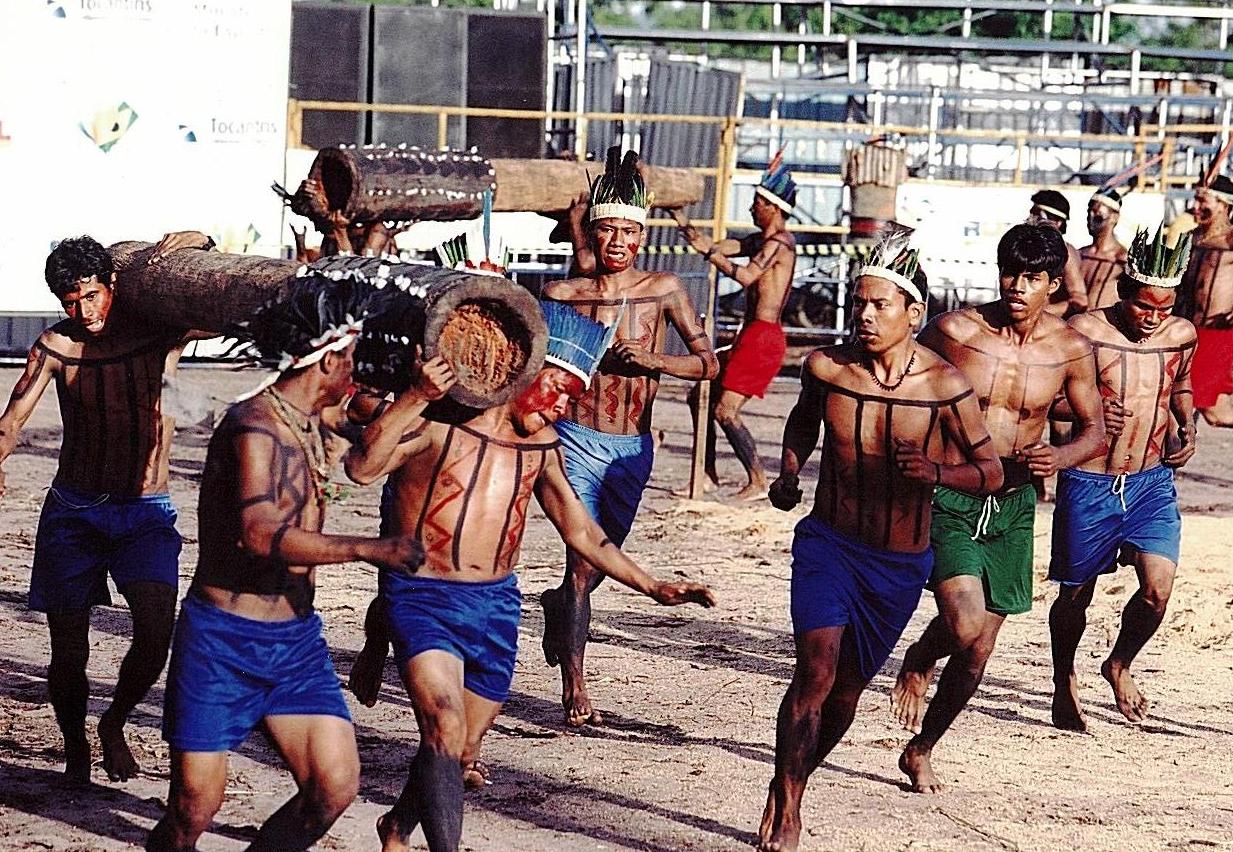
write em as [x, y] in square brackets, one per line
[550, 186]
[403, 184]
[490, 330]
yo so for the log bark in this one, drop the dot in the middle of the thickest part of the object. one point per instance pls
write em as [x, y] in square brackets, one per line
[490, 330]
[550, 186]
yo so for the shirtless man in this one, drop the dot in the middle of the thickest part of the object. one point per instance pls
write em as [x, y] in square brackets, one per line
[463, 489]
[898, 421]
[108, 509]
[1019, 358]
[248, 645]
[606, 431]
[1102, 261]
[756, 356]
[1206, 299]
[1124, 502]
[1051, 208]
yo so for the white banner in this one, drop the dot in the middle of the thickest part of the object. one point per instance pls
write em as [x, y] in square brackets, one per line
[124, 119]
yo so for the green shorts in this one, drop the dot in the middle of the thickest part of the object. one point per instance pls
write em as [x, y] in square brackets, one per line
[986, 537]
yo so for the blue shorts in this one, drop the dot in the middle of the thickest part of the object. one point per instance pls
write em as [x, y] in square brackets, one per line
[476, 622]
[609, 474]
[837, 581]
[82, 537]
[1097, 513]
[228, 672]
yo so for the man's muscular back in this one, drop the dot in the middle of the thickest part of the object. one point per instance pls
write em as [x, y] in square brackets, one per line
[1142, 378]
[116, 438]
[1208, 284]
[1015, 384]
[776, 255]
[861, 491]
[621, 397]
[465, 497]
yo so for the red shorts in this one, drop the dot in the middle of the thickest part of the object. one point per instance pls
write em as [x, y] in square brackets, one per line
[1211, 374]
[755, 359]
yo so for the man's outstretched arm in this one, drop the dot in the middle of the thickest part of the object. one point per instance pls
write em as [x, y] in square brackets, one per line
[579, 530]
[40, 367]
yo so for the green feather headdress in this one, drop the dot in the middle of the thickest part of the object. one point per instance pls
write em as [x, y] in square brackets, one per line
[620, 193]
[893, 260]
[1155, 262]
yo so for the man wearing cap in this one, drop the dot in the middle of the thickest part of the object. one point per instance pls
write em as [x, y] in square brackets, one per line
[108, 510]
[1122, 506]
[898, 421]
[248, 647]
[1102, 261]
[463, 489]
[1051, 207]
[1020, 359]
[756, 356]
[606, 431]
[1206, 299]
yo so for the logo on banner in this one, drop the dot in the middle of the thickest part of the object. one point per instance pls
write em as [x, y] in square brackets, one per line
[56, 9]
[187, 133]
[108, 126]
[99, 8]
[244, 130]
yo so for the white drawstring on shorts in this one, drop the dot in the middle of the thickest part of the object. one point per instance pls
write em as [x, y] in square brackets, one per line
[1119, 488]
[987, 511]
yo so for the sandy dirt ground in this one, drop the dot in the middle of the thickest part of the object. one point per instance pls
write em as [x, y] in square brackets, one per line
[690, 696]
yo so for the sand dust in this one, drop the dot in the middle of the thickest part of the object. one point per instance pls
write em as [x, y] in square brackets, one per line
[690, 695]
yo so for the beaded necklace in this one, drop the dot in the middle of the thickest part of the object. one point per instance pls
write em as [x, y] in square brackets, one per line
[308, 437]
[883, 385]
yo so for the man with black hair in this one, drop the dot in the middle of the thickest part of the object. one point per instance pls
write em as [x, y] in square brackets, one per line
[756, 356]
[248, 644]
[1051, 208]
[606, 431]
[108, 510]
[1122, 506]
[898, 421]
[1206, 299]
[1019, 358]
[1102, 262]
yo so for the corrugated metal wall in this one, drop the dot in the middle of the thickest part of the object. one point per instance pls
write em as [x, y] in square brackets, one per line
[19, 331]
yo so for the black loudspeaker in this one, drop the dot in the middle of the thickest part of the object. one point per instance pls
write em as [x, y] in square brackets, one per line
[419, 57]
[329, 62]
[505, 70]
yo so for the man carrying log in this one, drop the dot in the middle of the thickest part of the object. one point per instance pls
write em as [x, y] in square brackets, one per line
[1019, 358]
[1051, 208]
[756, 356]
[1102, 262]
[463, 489]
[108, 510]
[1123, 505]
[898, 421]
[606, 431]
[248, 644]
[1206, 299]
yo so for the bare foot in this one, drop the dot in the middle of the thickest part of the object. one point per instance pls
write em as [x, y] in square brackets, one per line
[755, 490]
[118, 760]
[393, 839]
[780, 830]
[77, 760]
[554, 625]
[475, 775]
[908, 695]
[366, 673]
[1129, 700]
[577, 703]
[915, 763]
[708, 487]
[1067, 711]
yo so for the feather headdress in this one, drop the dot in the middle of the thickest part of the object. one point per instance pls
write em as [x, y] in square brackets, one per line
[620, 192]
[1158, 262]
[777, 185]
[476, 249]
[893, 260]
[576, 343]
[320, 313]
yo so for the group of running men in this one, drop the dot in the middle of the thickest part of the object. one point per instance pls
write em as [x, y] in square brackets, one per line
[930, 446]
